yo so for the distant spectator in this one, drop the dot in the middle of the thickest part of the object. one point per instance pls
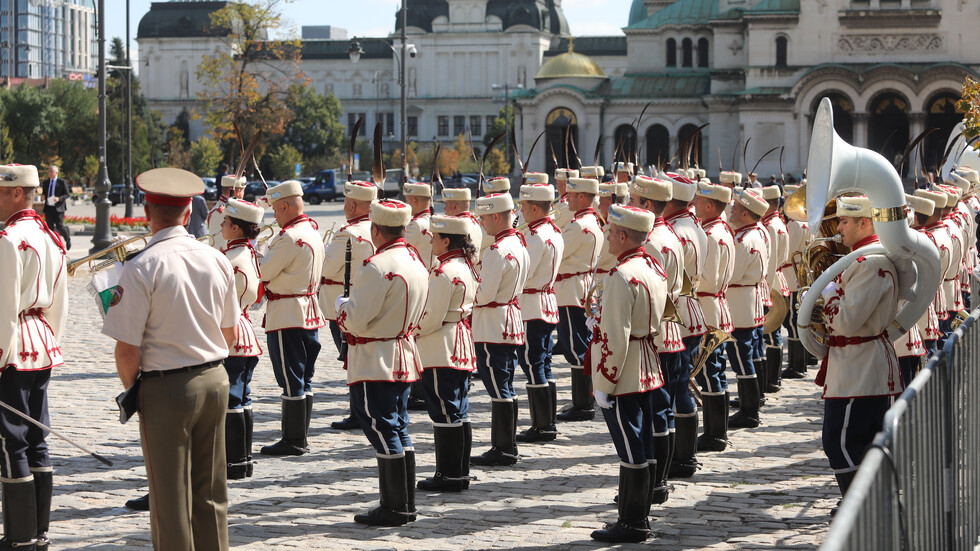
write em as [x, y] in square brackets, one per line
[790, 179]
[222, 172]
[753, 182]
[196, 224]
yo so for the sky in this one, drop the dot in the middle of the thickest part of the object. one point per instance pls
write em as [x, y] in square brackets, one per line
[377, 17]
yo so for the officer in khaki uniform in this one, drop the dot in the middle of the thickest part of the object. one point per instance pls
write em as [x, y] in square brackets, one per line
[34, 310]
[457, 203]
[626, 372]
[447, 353]
[174, 316]
[719, 263]
[239, 227]
[498, 328]
[380, 317]
[539, 308]
[231, 188]
[358, 196]
[562, 214]
[291, 271]
[583, 242]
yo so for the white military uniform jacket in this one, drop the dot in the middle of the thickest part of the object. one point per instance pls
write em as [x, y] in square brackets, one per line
[245, 266]
[951, 278]
[34, 294]
[799, 238]
[562, 213]
[607, 260]
[861, 309]
[693, 242]
[928, 324]
[747, 292]
[544, 248]
[215, 217]
[778, 252]
[291, 272]
[497, 314]
[382, 315]
[623, 352]
[664, 246]
[583, 242]
[358, 232]
[418, 235]
[444, 336]
[719, 263]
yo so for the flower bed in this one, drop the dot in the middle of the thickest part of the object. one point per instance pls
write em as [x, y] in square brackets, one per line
[115, 222]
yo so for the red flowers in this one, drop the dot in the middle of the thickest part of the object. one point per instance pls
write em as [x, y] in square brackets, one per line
[114, 221]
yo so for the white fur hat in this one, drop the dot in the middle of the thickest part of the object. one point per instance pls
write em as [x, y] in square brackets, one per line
[858, 206]
[499, 184]
[652, 188]
[959, 182]
[971, 175]
[624, 167]
[417, 190]
[727, 177]
[683, 189]
[537, 192]
[952, 193]
[582, 185]
[606, 189]
[229, 180]
[361, 191]
[702, 174]
[536, 178]
[456, 194]
[620, 189]
[243, 210]
[752, 201]
[771, 192]
[632, 218]
[722, 194]
[593, 172]
[449, 225]
[565, 173]
[21, 176]
[494, 203]
[289, 188]
[921, 205]
[938, 199]
[390, 213]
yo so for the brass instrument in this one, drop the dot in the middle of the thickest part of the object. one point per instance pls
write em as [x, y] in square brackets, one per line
[958, 319]
[776, 313]
[209, 239]
[118, 253]
[818, 256]
[262, 239]
[709, 342]
[328, 235]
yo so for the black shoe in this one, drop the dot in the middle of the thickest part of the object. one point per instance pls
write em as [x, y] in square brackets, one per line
[441, 483]
[742, 420]
[283, 447]
[41, 542]
[5, 543]
[347, 423]
[660, 494]
[576, 413]
[535, 434]
[379, 516]
[711, 444]
[494, 457]
[141, 503]
[792, 373]
[623, 532]
[683, 469]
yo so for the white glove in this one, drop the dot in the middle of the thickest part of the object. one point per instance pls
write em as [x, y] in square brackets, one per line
[829, 289]
[591, 323]
[602, 399]
[340, 302]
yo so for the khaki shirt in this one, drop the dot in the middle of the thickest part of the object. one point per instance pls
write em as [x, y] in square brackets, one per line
[418, 235]
[215, 217]
[864, 305]
[174, 299]
[719, 263]
[583, 241]
[747, 291]
[623, 355]
[383, 312]
[693, 242]
[245, 265]
[444, 337]
[34, 293]
[291, 272]
[497, 314]
[544, 248]
[664, 245]
[358, 232]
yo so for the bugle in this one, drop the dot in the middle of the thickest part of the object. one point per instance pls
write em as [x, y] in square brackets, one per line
[117, 253]
[709, 342]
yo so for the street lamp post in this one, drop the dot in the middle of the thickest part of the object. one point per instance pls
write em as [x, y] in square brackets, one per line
[128, 173]
[103, 234]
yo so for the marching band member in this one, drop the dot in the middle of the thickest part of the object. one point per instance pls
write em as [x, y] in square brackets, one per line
[563, 215]
[861, 375]
[239, 226]
[624, 172]
[677, 213]
[937, 232]
[746, 295]
[174, 316]
[928, 325]
[291, 271]
[358, 197]
[380, 317]
[447, 353]
[419, 197]
[910, 347]
[583, 241]
[457, 203]
[539, 308]
[596, 173]
[231, 188]
[961, 180]
[497, 184]
[951, 279]
[619, 190]
[498, 329]
[799, 238]
[719, 264]
[776, 280]
[33, 308]
[653, 195]
[626, 374]
[731, 180]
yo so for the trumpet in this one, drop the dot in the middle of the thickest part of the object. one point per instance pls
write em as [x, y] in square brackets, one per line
[118, 253]
[709, 342]
[209, 239]
[328, 235]
[262, 239]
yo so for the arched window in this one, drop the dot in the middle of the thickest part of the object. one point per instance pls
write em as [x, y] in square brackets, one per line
[687, 51]
[658, 145]
[625, 143]
[695, 159]
[781, 43]
[671, 52]
[888, 126]
[562, 128]
[702, 52]
[940, 113]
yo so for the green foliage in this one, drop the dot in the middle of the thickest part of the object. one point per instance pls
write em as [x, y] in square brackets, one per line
[498, 127]
[177, 153]
[970, 107]
[316, 130]
[205, 156]
[282, 162]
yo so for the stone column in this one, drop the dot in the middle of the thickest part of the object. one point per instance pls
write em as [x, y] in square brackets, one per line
[917, 123]
[860, 121]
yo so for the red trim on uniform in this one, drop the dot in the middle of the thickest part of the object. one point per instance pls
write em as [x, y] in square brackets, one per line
[167, 200]
[871, 239]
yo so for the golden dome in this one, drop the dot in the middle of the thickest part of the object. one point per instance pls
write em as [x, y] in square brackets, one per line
[570, 65]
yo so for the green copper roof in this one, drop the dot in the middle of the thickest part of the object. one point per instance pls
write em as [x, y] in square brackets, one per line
[638, 12]
[656, 85]
[775, 6]
[682, 12]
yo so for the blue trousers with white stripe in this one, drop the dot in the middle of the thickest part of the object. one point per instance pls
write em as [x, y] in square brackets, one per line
[496, 364]
[535, 354]
[670, 368]
[742, 350]
[381, 408]
[293, 353]
[630, 423]
[573, 334]
[712, 378]
[680, 388]
[240, 371]
[446, 394]
[849, 427]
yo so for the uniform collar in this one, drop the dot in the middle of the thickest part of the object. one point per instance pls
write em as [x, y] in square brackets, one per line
[685, 213]
[238, 242]
[168, 232]
[393, 244]
[358, 219]
[541, 222]
[869, 240]
[583, 212]
[20, 215]
[507, 233]
[626, 255]
[426, 212]
[449, 255]
[748, 226]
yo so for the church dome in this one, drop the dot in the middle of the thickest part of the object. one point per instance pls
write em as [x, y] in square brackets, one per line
[183, 19]
[638, 12]
[570, 65]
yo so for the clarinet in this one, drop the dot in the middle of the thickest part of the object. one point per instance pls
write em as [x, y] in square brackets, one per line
[343, 336]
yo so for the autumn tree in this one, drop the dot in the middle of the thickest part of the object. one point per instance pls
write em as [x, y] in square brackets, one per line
[205, 156]
[969, 105]
[248, 81]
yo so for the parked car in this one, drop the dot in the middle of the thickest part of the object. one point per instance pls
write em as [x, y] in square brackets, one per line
[117, 194]
[211, 190]
[256, 189]
[323, 187]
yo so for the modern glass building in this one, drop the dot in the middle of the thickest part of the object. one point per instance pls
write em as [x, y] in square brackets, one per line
[47, 38]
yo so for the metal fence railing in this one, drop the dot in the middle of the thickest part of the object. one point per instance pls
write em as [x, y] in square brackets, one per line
[918, 487]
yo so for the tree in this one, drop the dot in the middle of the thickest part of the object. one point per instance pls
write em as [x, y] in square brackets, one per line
[177, 154]
[502, 124]
[247, 82]
[465, 155]
[497, 163]
[316, 130]
[969, 105]
[205, 156]
[282, 161]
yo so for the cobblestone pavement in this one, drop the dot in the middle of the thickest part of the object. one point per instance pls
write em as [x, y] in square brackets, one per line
[772, 489]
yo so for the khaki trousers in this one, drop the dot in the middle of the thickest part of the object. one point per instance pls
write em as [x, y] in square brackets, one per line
[182, 430]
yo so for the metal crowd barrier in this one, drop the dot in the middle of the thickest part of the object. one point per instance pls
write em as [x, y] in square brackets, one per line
[918, 487]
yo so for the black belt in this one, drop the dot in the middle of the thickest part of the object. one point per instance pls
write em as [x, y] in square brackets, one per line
[165, 372]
